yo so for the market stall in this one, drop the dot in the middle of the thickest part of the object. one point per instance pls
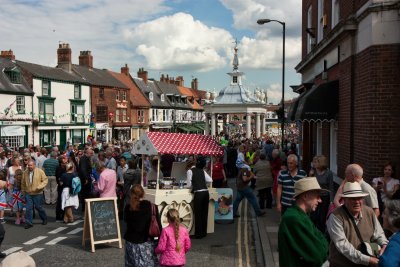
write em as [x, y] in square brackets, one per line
[170, 193]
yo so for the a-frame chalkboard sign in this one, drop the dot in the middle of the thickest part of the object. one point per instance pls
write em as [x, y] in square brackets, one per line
[101, 223]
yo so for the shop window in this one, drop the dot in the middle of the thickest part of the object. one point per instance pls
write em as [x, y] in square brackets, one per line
[47, 137]
[77, 136]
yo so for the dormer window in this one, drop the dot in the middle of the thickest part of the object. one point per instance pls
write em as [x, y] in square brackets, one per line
[162, 98]
[151, 96]
[14, 76]
[234, 79]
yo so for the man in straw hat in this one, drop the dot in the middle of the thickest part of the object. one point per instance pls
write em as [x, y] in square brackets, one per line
[345, 243]
[300, 242]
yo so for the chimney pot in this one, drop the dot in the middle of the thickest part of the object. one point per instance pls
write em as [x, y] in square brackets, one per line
[125, 70]
[143, 75]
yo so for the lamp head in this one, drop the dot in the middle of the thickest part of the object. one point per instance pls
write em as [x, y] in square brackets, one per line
[263, 21]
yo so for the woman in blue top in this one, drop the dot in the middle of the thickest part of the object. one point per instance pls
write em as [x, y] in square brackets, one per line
[391, 221]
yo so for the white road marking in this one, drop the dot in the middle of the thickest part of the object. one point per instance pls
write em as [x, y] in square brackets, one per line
[56, 240]
[246, 238]
[75, 231]
[34, 250]
[11, 250]
[76, 222]
[57, 230]
[239, 237]
[36, 239]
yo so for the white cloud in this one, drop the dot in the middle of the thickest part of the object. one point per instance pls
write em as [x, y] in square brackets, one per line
[274, 92]
[179, 42]
[33, 29]
[247, 12]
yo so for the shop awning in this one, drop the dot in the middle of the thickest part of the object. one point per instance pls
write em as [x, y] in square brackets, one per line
[320, 103]
[185, 128]
[154, 143]
[199, 126]
[293, 108]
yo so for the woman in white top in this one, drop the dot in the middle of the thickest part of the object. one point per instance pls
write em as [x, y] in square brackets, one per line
[386, 186]
[16, 165]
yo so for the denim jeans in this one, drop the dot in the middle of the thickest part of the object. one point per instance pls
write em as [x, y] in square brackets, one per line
[246, 192]
[36, 200]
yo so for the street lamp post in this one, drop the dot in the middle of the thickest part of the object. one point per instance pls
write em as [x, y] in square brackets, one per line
[261, 22]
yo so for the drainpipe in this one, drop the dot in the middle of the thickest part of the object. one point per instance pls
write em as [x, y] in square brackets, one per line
[352, 95]
[33, 127]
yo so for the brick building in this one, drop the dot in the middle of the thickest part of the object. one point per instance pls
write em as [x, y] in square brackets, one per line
[349, 101]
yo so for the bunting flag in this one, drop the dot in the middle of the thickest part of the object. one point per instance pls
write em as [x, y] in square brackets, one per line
[7, 110]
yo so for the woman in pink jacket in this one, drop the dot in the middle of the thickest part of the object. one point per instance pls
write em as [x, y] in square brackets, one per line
[174, 242]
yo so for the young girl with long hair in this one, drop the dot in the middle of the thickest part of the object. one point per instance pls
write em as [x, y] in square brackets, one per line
[174, 242]
[139, 246]
[17, 200]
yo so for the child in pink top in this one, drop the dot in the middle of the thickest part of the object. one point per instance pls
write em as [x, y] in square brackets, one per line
[174, 241]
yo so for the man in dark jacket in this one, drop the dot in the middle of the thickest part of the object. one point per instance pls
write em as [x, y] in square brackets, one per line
[85, 169]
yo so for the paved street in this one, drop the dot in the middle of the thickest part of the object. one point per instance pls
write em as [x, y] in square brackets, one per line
[57, 244]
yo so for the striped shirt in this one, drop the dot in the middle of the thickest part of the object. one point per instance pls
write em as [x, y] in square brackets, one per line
[287, 182]
[49, 166]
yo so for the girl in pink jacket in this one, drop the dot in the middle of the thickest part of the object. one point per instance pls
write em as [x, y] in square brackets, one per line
[174, 241]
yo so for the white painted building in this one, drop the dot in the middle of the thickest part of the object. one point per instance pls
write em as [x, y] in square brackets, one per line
[61, 105]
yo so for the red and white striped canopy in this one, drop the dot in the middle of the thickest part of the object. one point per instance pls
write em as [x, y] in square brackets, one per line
[177, 143]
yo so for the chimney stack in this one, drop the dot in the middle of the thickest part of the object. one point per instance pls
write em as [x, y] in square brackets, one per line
[195, 84]
[125, 70]
[8, 54]
[86, 59]
[143, 75]
[64, 57]
[179, 81]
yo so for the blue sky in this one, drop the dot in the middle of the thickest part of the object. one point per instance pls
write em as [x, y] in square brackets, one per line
[189, 38]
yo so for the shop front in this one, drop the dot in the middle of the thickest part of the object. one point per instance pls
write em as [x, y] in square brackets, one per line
[122, 133]
[14, 133]
[102, 132]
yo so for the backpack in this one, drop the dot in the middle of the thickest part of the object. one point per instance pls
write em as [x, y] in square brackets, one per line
[75, 185]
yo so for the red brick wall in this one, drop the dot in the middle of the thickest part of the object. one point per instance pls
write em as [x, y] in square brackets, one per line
[108, 100]
[377, 108]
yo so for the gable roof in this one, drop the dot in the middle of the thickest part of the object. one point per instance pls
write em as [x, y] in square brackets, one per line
[151, 87]
[136, 96]
[51, 73]
[6, 86]
[171, 89]
[189, 92]
[97, 77]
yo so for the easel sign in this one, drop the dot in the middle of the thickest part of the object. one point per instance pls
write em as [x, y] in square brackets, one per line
[101, 223]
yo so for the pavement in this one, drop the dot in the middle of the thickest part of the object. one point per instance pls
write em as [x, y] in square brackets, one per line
[268, 235]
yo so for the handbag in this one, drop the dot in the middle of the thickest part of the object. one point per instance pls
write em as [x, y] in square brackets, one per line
[367, 248]
[154, 229]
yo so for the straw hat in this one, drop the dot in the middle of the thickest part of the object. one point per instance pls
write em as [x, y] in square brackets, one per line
[306, 184]
[353, 190]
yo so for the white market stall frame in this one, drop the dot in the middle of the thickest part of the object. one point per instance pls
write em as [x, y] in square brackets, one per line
[159, 143]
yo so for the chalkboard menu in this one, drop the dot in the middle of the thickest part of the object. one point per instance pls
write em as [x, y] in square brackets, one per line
[101, 223]
[104, 223]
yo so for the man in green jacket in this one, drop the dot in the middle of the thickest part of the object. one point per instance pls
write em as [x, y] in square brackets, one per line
[300, 242]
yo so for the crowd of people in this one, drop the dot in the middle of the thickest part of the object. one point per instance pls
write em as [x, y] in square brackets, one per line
[317, 223]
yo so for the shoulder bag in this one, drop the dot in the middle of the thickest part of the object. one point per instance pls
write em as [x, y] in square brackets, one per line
[366, 248]
[154, 230]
